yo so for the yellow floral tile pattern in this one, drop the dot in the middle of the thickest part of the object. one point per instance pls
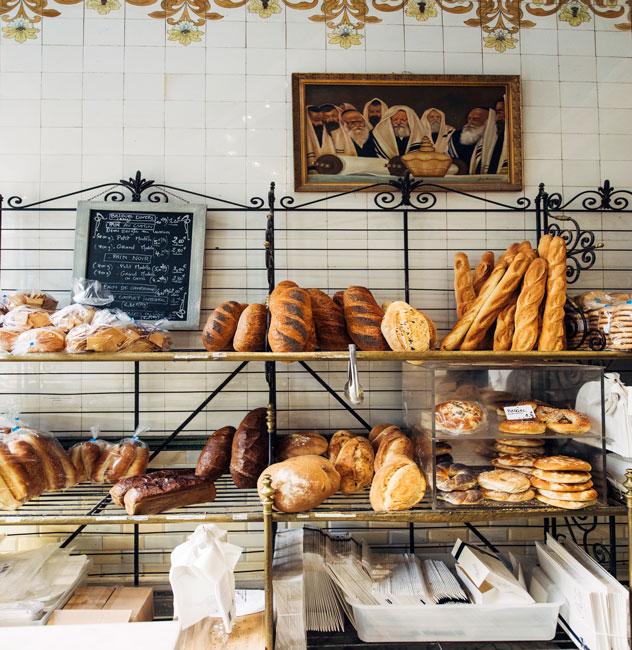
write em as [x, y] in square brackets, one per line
[500, 21]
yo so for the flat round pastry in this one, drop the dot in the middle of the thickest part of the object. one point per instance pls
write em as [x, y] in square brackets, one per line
[571, 422]
[532, 427]
[514, 460]
[560, 487]
[522, 470]
[568, 505]
[516, 497]
[519, 442]
[562, 477]
[504, 480]
[462, 497]
[459, 416]
[454, 477]
[563, 463]
[442, 447]
[510, 449]
[584, 495]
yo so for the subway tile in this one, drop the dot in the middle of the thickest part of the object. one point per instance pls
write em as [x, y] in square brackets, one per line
[103, 58]
[577, 93]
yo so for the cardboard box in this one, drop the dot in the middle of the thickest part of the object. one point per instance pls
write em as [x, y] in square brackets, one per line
[138, 599]
[89, 616]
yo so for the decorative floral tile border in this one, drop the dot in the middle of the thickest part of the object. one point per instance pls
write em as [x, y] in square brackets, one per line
[499, 20]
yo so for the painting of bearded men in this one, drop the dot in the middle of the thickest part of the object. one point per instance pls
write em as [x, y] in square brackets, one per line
[453, 131]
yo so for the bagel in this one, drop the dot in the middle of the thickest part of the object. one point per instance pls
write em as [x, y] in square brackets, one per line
[454, 477]
[462, 497]
[560, 487]
[571, 422]
[546, 413]
[584, 495]
[562, 477]
[568, 505]
[516, 497]
[563, 463]
[510, 449]
[504, 480]
[459, 416]
[517, 460]
[520, 442]
[532, 427]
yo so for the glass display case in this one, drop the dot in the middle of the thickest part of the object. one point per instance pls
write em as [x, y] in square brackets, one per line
[506, 435]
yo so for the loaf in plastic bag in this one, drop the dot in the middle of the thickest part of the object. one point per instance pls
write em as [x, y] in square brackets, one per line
[24, 318]
[89, 457]
[616, 323]
[72, 316]
[32, 299]
[146, 337]
[129, 458]
[41, 339]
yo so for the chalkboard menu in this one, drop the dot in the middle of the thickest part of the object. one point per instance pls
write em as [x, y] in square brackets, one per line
[149, 255]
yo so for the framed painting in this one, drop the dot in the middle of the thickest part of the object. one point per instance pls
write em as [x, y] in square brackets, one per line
[455, 131]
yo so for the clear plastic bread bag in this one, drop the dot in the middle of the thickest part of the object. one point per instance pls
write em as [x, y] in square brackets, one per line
[618, 319]
[106, 333]
[24, 318]
[33, 298]
[91, 457]
[91, 292]
[73, 315]
[147, 337]
[130, 457]
[41, 339]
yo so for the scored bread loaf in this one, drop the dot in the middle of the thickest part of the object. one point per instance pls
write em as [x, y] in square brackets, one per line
[354, 463]
[505, 327]
[511, 252]
[291, 320]
[118, 490]
[301, 443]
[552, 336]
[338, 298]
[527, 314]
[392, 444]
[250, 335]
[498, 298]
[463, 283]
[364, 318]
[249, 451]
[406, 328]
[456, 335]
[336, 441]
[543, 246]
[221, 325]
[329, 321]
[398, 485]
[301, 483]
[483, 270]
[214, 459]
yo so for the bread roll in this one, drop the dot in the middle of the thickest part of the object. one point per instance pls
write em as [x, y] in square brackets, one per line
[552, 337]
[463, 283]
[301, 483]
[337, 440]
[291, 320]
[406, 328]
[483, 271]
[494, 303]
[398, 485]
[221, 325]
[301, 443]
[329, 321]
[354, 463]
[392, 444]
[504, 328]
[124, 457]
[531, 295]
[364, 318]
[249, 452]
[214, 459]
[250, 335]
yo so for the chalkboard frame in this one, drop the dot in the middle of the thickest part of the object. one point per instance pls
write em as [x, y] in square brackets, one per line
[198, 236]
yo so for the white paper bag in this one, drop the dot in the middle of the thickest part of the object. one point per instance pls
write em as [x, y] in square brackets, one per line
[202, 577]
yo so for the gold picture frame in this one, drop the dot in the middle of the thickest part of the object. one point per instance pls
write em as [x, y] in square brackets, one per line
[454, 131]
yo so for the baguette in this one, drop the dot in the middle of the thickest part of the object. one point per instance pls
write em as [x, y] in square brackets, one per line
[505, 325]
[552, 336]
[492, 306]
[528, 307]
[456, 335]
[364, 317]
[329, 321]
[483, 270]
[463, 284]
[543, 246]
[511, 252]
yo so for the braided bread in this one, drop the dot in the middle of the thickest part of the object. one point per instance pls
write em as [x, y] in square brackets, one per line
[528, 307]
[552, 336]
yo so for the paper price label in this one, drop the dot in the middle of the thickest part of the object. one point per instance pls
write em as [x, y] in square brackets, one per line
[522, 412]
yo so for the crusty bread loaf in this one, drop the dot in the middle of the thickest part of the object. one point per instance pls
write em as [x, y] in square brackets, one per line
[214, 459]
[291, 320]
[329, 321]
[509, 254]
[483, 270]
[339, 299]
[301, 443]
[454, 339]
[301, 483]
[354, 463]
[249, 451]
[221, 325]
[336, 441]
[531, 295]
[463, 283]
[406, 328]
[364, 317]
[398, 485]
[250, 335]
[393, 444]
[552, 336]
[495, 302]
[504, 331]
[543, 246]
[379, 432]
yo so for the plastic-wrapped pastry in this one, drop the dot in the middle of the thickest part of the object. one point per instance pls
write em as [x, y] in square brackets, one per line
[73, 315]
[41, 339]
[32, 299]
[24, 318]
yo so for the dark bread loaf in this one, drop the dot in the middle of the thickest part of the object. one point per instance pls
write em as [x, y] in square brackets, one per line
[290, 319]
[364, 319]
[214, 459]
[220, 327]
[249, 455]
[329, 320]
[250, 335]
[339, 299]
[118, 490]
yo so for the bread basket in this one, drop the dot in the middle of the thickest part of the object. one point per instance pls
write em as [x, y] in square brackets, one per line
[426, 161]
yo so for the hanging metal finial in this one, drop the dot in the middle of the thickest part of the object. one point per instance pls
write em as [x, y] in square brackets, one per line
[136, 186]
[606, 192]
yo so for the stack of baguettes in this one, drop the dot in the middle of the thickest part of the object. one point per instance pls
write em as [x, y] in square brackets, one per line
[516, 303]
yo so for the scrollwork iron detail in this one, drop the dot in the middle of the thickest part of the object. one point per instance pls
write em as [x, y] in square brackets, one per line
[157, 196]
[136, 185]
[115, 195]
[584, 527]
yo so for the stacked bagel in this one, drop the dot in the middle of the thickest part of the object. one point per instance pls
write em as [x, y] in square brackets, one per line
[457, 484]
[518, 454]
[563, 482]
[506, 485]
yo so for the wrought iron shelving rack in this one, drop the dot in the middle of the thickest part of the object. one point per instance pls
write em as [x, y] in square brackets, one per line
[411, 199]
